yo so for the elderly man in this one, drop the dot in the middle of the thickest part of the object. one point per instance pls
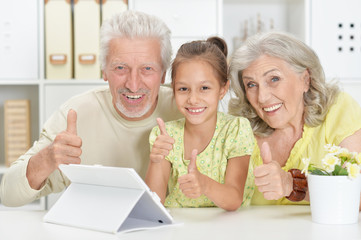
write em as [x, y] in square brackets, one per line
[109, 125]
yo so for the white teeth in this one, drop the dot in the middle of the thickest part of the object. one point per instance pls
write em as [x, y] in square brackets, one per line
[196, 110]
[270, 109]
[134, 96]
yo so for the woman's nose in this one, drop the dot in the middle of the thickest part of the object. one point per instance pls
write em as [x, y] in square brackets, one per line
[263, 94]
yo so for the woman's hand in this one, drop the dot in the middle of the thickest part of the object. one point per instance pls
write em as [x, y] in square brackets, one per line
[270, 179]
[162, 145]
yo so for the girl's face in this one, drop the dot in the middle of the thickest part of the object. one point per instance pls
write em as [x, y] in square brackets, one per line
[197, 91]
[275, 91]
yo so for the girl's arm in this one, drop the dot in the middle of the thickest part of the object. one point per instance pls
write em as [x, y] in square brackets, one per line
[159, 169]
[229, 195]
[157, 177]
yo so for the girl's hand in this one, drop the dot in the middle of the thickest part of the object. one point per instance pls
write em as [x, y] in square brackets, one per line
[193, 184]
[162, 145]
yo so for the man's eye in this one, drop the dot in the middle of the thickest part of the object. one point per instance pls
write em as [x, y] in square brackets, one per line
[147, 68]
[119, 67]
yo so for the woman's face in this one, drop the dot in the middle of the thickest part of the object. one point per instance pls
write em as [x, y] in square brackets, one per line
[275, 91]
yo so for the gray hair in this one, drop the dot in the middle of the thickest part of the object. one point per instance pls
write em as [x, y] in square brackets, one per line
[134, 24]
[317, 100]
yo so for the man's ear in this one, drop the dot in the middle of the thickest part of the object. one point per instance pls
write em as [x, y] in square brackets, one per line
[104, 76]
[224, 90]
[163, 77]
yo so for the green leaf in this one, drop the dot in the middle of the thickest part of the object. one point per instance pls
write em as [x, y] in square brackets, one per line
[339, 171]
[317, 171]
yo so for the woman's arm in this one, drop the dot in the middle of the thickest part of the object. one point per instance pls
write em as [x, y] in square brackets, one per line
[353, 144]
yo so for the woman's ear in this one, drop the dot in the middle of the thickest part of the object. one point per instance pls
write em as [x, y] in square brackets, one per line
[307, 80]
[224, 90]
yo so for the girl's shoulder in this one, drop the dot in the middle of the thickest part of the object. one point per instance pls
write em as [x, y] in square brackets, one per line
[227, 119]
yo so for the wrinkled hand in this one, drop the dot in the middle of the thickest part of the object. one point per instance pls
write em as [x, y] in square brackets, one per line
[66, 147]
[270, 179]
[192, 184]
[163, 144]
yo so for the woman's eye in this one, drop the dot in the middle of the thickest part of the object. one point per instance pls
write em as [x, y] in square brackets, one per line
[275, 79]
[250, 85]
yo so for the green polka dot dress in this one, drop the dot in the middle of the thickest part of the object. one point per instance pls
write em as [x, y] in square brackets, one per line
[233, 137]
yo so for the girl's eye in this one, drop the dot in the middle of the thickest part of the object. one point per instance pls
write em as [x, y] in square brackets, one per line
[205, 88]
[182, 89]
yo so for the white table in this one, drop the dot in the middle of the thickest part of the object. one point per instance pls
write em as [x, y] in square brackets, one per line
[257, 222]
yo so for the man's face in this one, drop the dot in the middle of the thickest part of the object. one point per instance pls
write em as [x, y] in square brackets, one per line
[134, 71]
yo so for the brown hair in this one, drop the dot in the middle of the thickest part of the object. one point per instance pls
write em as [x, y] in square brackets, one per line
[212, 51]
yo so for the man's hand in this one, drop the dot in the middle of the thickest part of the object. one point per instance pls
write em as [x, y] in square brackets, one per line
[65, 149]
[270, 179]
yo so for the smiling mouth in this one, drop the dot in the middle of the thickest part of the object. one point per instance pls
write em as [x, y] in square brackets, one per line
[273, 108]
[133, 97]
[196, 110]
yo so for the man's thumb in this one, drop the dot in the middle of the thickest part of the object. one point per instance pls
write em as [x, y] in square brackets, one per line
[71, 122]
[266, 153]
[193, 162]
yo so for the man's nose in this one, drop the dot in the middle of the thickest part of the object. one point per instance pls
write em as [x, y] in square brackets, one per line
[134, 82]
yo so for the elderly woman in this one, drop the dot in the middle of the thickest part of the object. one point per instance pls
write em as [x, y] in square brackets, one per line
[280, 87]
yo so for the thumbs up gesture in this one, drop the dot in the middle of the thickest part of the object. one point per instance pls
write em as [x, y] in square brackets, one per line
[66, 147]
[192, 184]
[270, 179]
[162, 145]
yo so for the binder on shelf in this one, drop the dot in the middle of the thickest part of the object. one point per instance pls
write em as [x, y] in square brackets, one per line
[111, 7]
[86, 39]
[17, 129]
[58, 39]
[107, 199]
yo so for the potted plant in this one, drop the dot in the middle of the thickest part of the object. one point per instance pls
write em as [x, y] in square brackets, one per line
[334, 187]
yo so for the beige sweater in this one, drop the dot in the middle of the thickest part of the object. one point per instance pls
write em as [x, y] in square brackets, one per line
[108, 140]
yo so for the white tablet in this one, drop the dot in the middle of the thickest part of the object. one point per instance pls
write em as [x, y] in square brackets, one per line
[108, 199]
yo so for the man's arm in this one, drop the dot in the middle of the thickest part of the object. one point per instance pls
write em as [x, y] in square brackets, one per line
[25, 180]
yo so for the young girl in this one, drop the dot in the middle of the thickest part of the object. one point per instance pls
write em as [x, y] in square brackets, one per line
[204, 157]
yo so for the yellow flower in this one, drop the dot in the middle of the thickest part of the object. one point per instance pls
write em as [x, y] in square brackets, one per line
[332, 149]
[343, 152]
[329, 162]
[353, 170]
[358, 159]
